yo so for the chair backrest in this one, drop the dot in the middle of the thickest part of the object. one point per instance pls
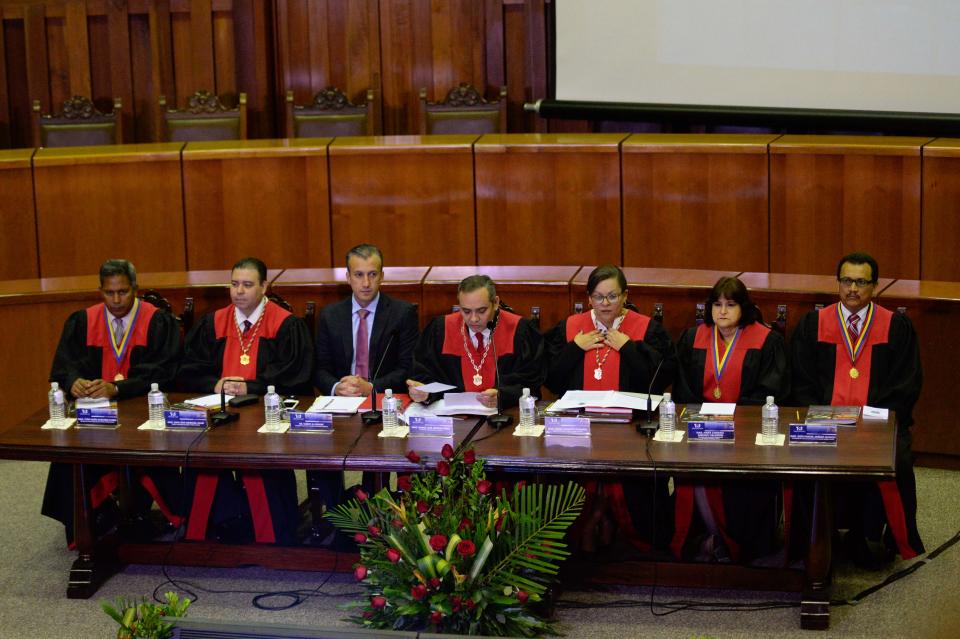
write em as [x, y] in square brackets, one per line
[204, 119]
[79, 123]
[463, 111]
[330, 114]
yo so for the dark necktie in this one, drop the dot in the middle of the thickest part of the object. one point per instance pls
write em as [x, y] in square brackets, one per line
[117, 330]
[246, 327]
[362, 368]
[480, 342]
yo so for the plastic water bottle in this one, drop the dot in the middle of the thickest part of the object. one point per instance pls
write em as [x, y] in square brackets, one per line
[668, 416]
[769, 421]
[528, 409]
[57, 403]
[156, 402]
[271, 407]
[389, 410]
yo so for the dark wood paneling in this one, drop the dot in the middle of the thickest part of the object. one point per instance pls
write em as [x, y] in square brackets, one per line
[80, 222]
[120, 60]
[411, 196]
[37, 65]
[78, 49]
[267, 198]
[161, 61]
[537, 193]
[706, 193]
[18, 242]
[5, 115]
[144, 75]
[254, 39]
[830, 195]
[941, 210]
[18, 84]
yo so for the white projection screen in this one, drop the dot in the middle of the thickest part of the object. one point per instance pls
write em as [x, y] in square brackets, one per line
[864, 55]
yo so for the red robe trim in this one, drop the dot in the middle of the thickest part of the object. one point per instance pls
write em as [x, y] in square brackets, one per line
[634, 325]
[98, 334]
[225, 326]
[848, 391]
[752, 336]
[503, 338]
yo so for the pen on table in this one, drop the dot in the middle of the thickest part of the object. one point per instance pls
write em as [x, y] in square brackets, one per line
[682, 411]
[798, 414]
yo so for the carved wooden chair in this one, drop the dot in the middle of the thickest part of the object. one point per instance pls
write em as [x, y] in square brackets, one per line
[331, 114]
[463, 111]
[204, 119]
[79, 123]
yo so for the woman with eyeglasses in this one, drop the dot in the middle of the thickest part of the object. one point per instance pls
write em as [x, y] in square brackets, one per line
[606, 348]
[731, 357]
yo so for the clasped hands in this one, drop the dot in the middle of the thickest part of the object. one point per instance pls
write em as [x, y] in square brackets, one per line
[231, 386]
[595, 339]
[488, 397]
[94, 388]
[353, 386]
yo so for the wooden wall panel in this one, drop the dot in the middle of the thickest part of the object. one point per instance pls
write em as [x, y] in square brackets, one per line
[80, 223]
[261, 197]
[548, 199]
[18, 242]
[77, 44]
[120, 62]
[37, 65]
[201, 48]
[225, 72]
[144, 73]
[255, 52]
[18, 84]
[707, 193]
[830, 195]
[4, 92]
[941, 210]
[396, 192]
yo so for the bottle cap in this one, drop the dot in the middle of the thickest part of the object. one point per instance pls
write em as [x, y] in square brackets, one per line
[388, 392]
[271, 389]
[769, 399]
[54, 385]
[666, 397]
[526, 392]
[154, 387]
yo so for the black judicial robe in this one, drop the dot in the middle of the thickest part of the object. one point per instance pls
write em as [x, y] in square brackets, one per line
[641, 507]
[746, 510]
[84, 352]
[436, 357]
[261, 504]
[890, 376]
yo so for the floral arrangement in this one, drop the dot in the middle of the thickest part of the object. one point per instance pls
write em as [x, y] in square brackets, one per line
[447, 553]
[145, 618]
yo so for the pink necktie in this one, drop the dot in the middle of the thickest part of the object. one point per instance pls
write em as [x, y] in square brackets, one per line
[117, 330]
[852, 324]
[362, 369]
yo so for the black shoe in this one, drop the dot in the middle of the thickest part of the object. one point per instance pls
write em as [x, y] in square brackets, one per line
[865, 553]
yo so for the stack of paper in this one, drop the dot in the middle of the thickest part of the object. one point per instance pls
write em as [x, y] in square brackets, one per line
[338, 405]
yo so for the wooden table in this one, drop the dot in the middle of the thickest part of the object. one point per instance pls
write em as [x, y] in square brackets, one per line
[862, 453]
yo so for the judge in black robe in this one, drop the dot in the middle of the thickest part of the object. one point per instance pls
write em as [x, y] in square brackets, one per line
[613, 348]
[86, 365]
[745, 513]
[220, 353]
[884, 373]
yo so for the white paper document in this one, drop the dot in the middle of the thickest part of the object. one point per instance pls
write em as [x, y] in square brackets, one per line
[334, 404]
[435, 387]
[870, 412]
[718, 408]
[440, 407]
[604, 399]
[89, 402]
[208, 401]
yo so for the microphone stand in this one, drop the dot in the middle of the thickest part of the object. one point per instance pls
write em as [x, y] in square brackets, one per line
[499, 420]
[222, 417]
[649, 428]
[373, 416]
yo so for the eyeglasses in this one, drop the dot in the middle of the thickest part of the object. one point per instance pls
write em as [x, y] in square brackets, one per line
[612, 298]
[848, 282]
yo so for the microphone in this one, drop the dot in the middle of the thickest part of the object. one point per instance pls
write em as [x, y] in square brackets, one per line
[649, 429]
[373, 416]
[499, 420]
[222, 417]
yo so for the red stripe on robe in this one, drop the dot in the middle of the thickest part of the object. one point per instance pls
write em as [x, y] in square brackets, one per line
[848, 391]
[751, 337]
[634, 325]
[225, 326]
[453, 344]
[98, 334]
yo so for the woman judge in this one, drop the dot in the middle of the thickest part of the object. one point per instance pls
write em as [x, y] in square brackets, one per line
[612, 348]
[731, 357]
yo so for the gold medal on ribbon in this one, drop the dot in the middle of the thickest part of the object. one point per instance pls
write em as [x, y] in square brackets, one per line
[477, 379]
[244, 359]
[720, 364]
[118, 377]
[716, 392]
[855, 348]
[598, 373]
[854, 373]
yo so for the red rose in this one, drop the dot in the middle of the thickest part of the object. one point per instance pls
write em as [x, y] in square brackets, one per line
[456, 603]
[435, 582]
[373, 530]
[447, 451]
[470, 604]
[469, 456]
[521, 484]
[438, 542]
[414, 457]
[437, 510]
[422, 507]
[499, 523]
[466, 548]
[436, 617]
[443, 468]
[393, 555]
[360, 572]
[360, 538]
[378, 602]
[464, 524]
[404, 483]
[396, 523]
[418, 592]
[522, 596]
[361, 495]
[484, 486]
